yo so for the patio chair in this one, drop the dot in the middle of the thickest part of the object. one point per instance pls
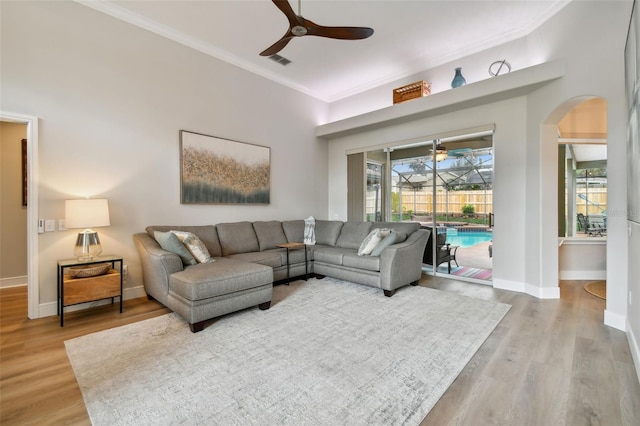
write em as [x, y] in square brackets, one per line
[598, 223]
[445, 252]
[591, 228]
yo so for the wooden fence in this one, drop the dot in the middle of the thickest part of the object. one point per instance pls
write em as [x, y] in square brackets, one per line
[482, 202]
[597, 201]
[451, 202]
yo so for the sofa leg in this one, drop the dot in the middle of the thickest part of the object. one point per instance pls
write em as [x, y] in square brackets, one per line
[264, 306]
[389, 293]
[198, 326]
[150, 297]
[318, 276]
[415, 283]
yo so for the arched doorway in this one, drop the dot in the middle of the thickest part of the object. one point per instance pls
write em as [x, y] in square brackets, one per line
[574, 138]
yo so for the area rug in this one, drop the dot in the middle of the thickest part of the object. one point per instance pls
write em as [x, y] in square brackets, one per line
[464, 271]
[597, 288]
[331, 353]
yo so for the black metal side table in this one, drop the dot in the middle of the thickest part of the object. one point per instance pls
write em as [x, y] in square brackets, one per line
[294, 246]
[73, 291]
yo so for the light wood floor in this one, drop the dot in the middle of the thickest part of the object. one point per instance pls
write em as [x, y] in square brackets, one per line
[549, 362]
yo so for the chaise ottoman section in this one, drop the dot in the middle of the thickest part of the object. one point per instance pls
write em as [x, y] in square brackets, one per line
[208, 290]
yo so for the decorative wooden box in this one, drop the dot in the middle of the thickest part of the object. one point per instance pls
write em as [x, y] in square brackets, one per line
[79, 290]
[411, 91]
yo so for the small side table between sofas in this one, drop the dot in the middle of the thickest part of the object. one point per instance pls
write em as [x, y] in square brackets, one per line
[73, 291]
[293, 246]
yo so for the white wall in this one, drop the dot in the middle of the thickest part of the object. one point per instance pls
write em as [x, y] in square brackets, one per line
[112, 98]
[583, 259]
[595, 67]
[589, 37]
[633, 318]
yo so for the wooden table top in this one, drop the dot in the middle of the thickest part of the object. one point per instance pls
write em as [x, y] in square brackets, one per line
[291, 245]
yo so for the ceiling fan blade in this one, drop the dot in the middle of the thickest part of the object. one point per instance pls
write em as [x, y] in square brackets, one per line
[342, 33]
[277, 46]
[285, 7]
[299, 26]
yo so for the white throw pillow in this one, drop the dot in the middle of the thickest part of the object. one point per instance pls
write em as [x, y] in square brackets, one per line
[195, 246]
[370, 242]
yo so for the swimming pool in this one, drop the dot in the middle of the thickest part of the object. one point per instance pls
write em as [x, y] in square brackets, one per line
[468, 239]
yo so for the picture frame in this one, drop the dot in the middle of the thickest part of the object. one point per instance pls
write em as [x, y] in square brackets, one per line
[215, 170]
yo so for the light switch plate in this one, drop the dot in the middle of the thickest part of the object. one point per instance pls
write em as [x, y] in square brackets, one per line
[49, 225]
[61, 226]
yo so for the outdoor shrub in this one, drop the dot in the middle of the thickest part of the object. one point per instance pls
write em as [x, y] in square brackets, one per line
[468, 209]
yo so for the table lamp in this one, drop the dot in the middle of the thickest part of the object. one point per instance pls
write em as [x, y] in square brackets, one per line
[87, 213]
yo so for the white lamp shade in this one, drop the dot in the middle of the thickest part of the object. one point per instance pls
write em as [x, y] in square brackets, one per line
[86, 213]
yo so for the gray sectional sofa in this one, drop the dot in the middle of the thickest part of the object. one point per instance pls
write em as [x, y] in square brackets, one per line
[246, 263]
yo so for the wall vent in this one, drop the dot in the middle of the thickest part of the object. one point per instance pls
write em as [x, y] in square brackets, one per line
[280, 59]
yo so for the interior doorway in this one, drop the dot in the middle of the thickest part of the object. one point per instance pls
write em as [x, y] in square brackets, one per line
[13, 221]
[31, 122]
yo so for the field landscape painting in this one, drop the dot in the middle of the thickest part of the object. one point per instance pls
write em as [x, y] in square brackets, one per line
[222, 171]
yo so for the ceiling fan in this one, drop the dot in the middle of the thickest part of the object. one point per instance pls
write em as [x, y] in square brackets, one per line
[299, 26]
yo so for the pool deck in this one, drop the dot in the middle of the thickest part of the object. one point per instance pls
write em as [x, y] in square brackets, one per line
[476, 256]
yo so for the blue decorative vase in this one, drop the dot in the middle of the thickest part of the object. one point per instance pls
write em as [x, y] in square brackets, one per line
[458, 79]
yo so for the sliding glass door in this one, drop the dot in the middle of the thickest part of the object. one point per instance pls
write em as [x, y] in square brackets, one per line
[447, 186]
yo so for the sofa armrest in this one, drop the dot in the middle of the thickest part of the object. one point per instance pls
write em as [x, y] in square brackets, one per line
[157, 265]
[401, 264]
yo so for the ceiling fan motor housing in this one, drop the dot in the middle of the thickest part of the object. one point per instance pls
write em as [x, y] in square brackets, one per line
[299, 30]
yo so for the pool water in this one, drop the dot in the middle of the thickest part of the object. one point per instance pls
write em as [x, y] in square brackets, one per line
[468, 239]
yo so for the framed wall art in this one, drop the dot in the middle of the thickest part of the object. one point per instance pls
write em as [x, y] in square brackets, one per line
[221, 171]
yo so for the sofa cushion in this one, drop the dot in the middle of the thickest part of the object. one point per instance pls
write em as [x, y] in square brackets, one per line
[271, 258]
[269, 234]
[406, 227]
[394, 237]
[370, 263]
[170, 242]
[331, 255]
[222, 277]
[352, 234]
[294, 230]
[327, 232]
[207, 234]
[237, 237]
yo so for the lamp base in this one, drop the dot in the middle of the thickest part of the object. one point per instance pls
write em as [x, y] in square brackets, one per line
[87, 246]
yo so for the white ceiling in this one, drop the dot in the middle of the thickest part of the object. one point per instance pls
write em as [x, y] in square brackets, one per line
[410, 36]
[589, 152]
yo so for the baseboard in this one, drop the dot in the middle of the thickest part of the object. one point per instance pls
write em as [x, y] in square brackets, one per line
[13, 281]
[538, 292]
[508, 285]
[51, 308]
[633, 346]
[543, 292]
[615, 320]
[583, 275]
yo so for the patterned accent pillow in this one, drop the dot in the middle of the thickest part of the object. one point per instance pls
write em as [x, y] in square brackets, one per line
[195, 246]
[171, 242]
